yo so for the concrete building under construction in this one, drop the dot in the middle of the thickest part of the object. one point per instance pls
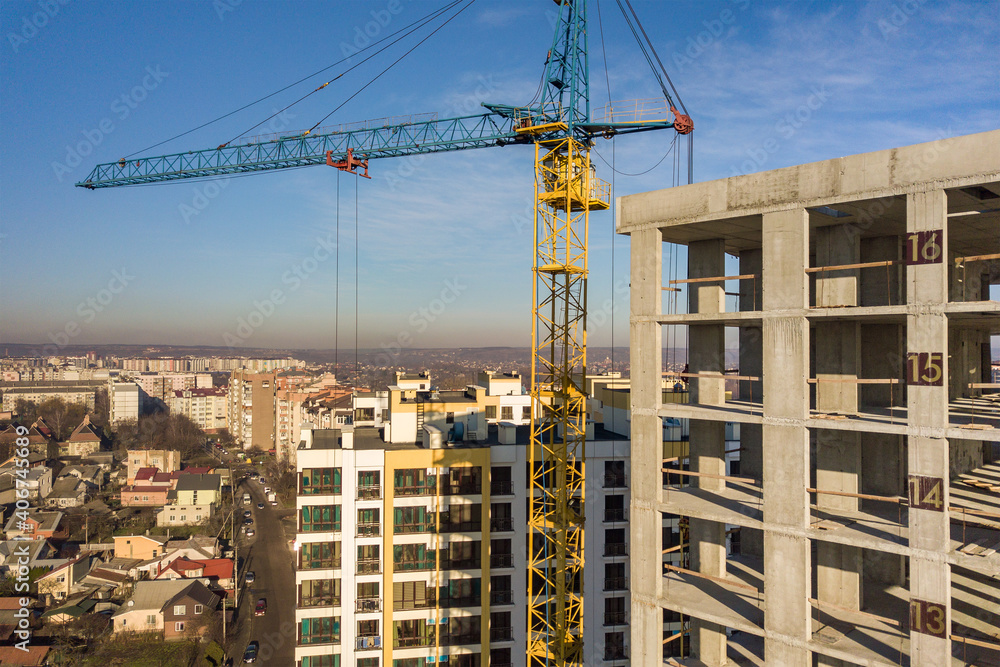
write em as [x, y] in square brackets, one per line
[862, 295]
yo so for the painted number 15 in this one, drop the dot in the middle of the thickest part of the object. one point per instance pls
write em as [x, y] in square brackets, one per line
[925, 368]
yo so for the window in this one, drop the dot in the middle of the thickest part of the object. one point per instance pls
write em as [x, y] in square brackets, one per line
[179, 626]
[198, 608]
[462, 555]
[321, 661]
[151, 619]
[368, 522]
[449, 418]
[614, 577]
[500, 481]
[368, 559]
[412, 520]
[314, 555]
[317, 481]
[321, 630]
[500, 657]
[462, 519]
[319, 518]
[368, 629]
[461, 593]
[183, 517]
[319, 593]
[491, 412]
[180, 610]
[463, 480]
[526, 413]
[415, 632]
[501, 629]
[412, 558]
[614, 542]
[145, 498]
[414, 482]
[500, 590]
[462, 630]
[506, 412]
[411, 595]
[614, 611]
[614, 508]
[614, 646]
[368, 662]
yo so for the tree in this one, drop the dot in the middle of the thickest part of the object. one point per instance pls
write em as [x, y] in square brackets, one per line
[63, 417]
[26, 411]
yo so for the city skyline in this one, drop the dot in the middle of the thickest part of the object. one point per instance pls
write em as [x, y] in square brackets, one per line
[445, 247]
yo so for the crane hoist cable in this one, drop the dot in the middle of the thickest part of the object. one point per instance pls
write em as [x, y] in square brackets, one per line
[424, 19]
[391, 65]
[422, 23]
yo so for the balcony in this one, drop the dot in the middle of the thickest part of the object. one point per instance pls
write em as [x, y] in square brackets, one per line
[615, 653]
[615, 584]
[501, 561]
[615, 481]
[468, 601]
[612, 515]
[614, 618]
[369, 566]
[414, 565]
[428, 602]
[501, 597]
[501, 488]
[501, 525]
[462, 527]
[615, 549]
[368, 605]
[410, 528]
[367, 643]
[501, 635]
[462, 489]
[370, 492]
[426, 490]
[413, 642]
[320, 565]
[461, 563]
[461, 640]
[372, 529]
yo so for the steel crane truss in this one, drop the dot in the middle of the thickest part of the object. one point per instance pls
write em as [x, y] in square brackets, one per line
[566, 190]
[302, 150]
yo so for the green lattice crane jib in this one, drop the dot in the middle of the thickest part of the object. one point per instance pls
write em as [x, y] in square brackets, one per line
[560, 127]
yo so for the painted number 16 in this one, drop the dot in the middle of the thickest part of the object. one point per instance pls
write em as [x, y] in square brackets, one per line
[924, 247]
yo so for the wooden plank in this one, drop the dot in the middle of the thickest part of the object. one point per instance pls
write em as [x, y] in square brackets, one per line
[718, 580]
[842, 267]
[866, 496]
[976, 258]
[713, 279]
[854, 381]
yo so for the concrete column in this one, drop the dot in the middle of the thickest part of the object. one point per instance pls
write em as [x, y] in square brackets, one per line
[706, 349]
[785, 457]
[927, 407]
[751, 364]
[751, 298]
[706, 353]
[645, 520]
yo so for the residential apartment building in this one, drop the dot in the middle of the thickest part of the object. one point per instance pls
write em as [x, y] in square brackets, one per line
[863, 292]
[413, 552]
[250, 408]
[205, 406]
[83, 392]
[125, 400]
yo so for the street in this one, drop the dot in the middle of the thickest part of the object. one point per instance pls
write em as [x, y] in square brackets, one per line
[268, 555]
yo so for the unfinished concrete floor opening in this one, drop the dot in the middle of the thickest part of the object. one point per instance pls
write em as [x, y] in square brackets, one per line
[839, 502]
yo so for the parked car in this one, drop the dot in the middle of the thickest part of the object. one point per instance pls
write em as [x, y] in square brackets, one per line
[250, 655]
[250, 531]
[247, 513]
[248, 521]
[261, 608]
[251, 577]
[260, 506]
[274, 503]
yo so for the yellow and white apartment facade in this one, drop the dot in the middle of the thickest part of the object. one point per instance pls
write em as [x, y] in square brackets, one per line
[414, 552]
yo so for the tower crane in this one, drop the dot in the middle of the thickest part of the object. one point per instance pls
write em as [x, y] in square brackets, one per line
[561, 129]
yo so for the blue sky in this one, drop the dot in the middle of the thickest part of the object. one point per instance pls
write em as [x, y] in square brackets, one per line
[445, 241]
